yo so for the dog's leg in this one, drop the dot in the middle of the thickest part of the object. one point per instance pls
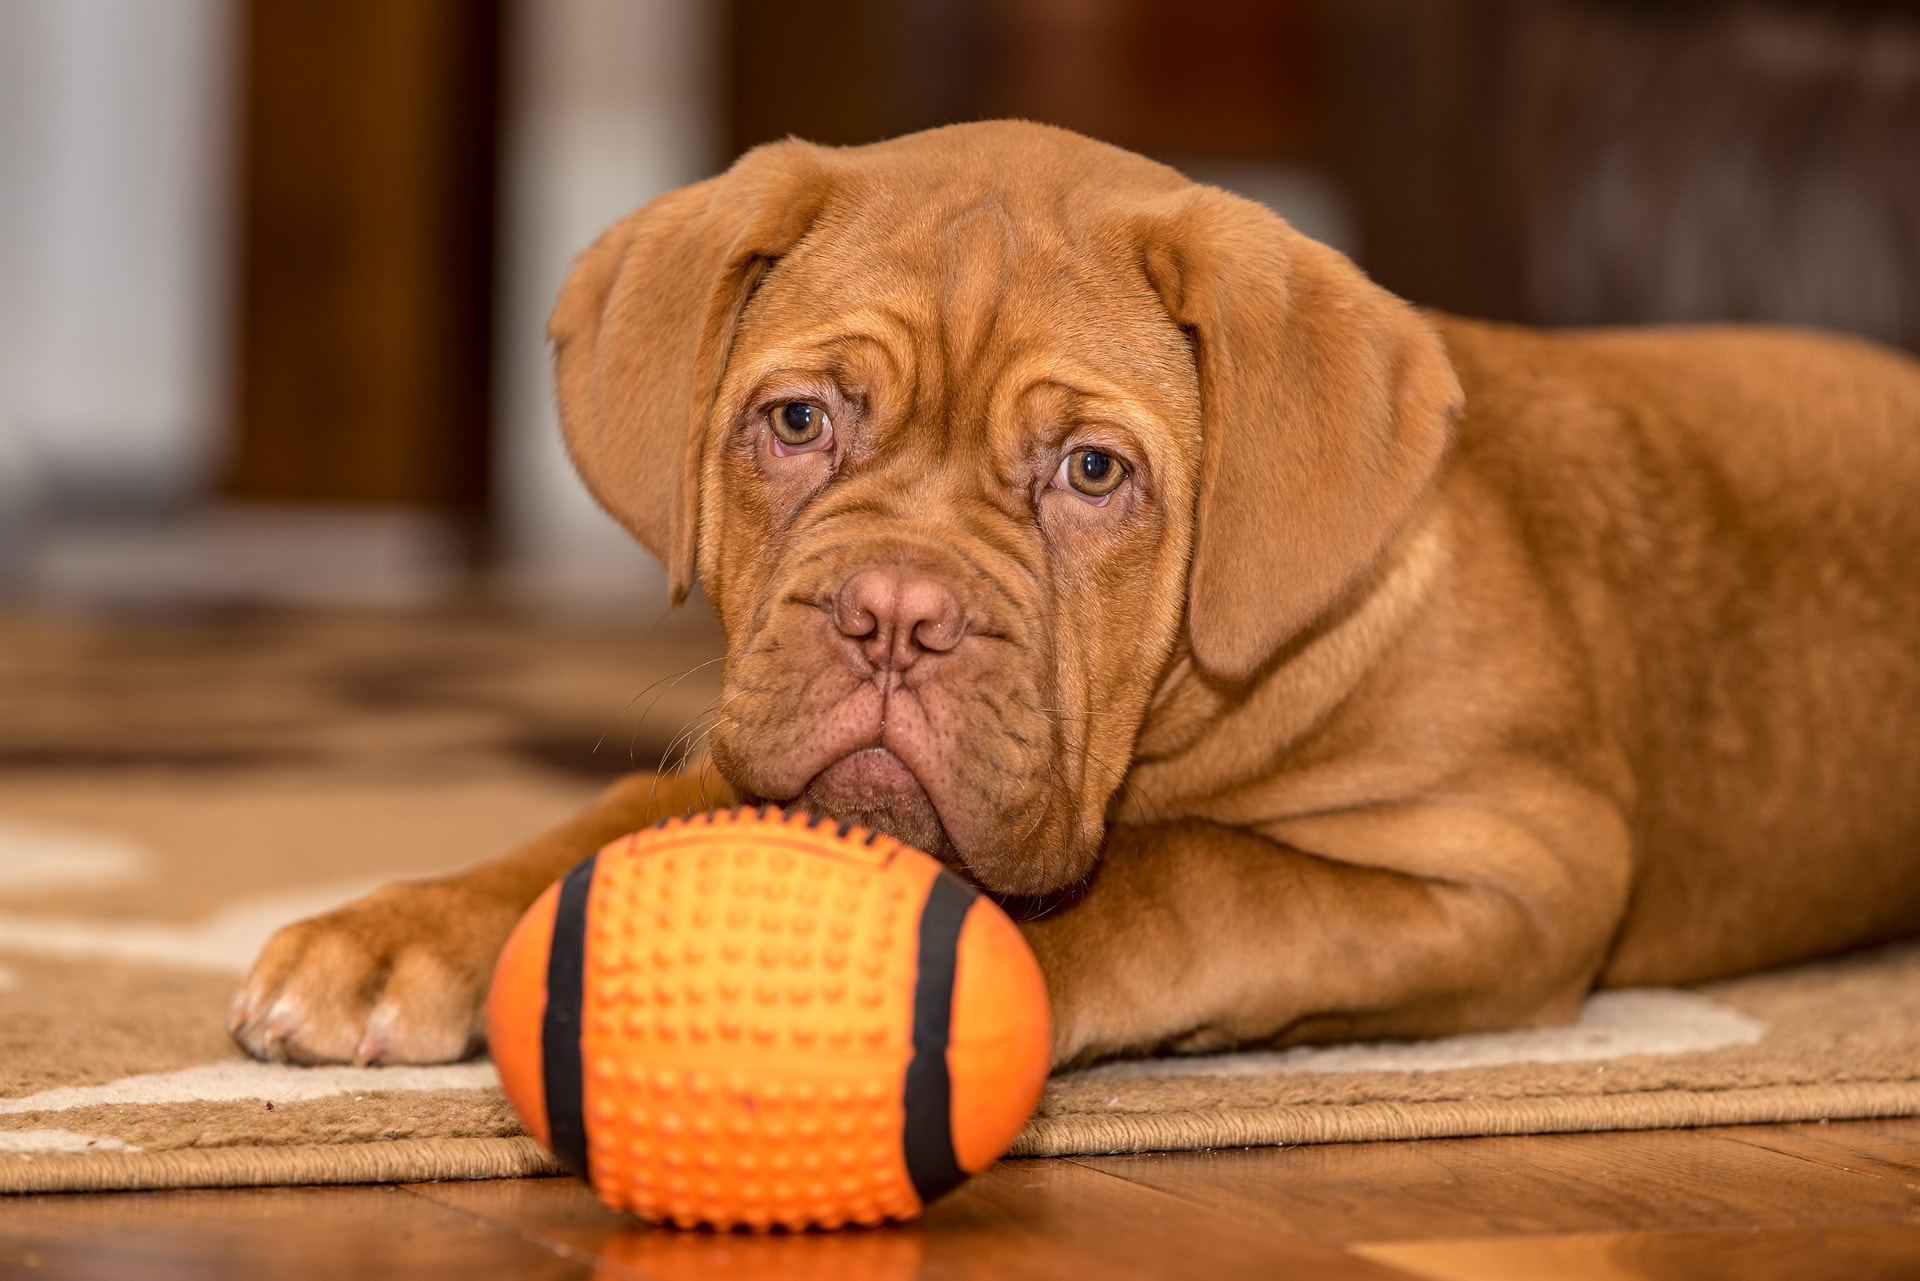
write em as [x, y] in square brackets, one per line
[1193, 937]
[401, 975]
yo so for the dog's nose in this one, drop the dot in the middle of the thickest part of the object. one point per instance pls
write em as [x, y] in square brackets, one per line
[897, 616]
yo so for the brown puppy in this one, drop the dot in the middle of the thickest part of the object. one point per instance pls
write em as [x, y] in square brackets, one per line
[1339, 672]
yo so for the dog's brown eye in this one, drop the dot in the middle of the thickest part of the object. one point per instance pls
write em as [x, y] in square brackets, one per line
[1092, 472]
[797, 423]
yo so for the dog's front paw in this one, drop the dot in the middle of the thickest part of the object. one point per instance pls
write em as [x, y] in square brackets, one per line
[399, 976]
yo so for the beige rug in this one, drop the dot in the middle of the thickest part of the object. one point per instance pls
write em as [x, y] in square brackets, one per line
[172, 791]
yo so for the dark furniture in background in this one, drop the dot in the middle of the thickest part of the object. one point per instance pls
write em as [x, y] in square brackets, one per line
[1545, 161]
[1199, 79]
[1579, 162]
[368, 221]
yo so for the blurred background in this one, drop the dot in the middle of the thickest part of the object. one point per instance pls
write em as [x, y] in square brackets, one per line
[274, 273]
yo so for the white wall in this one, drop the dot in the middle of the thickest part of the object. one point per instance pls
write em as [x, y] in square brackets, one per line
[115, 246]
[609, 104]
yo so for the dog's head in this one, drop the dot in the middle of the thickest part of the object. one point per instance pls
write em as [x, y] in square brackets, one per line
[969, 436]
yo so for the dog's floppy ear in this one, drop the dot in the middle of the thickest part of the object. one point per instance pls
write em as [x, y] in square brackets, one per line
[642, 330]
[1327, 405]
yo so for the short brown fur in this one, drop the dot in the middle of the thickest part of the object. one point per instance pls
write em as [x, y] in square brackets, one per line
[1420, 675]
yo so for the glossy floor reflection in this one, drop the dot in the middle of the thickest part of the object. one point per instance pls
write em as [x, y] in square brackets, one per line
[1752, 1202]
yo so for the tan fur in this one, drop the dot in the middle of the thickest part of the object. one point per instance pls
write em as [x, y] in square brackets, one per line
[1423, 674]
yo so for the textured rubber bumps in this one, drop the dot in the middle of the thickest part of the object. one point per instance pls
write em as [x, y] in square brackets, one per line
[754, 1018]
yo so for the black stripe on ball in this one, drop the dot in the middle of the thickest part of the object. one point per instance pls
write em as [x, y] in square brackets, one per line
[928, 1137]
[560, 1031]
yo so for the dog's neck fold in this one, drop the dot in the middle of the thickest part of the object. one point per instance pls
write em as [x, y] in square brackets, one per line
[1200, 737]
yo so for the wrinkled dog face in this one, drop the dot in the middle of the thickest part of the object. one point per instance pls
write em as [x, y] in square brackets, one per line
[954, 459]
[976, 437]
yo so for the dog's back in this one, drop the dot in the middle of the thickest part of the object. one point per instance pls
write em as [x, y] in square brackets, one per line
[1732, 517]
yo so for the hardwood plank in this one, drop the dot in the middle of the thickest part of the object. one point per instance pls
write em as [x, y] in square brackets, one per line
[289, 1234]
[1020, 1219]
[1648, 1181]
[1857, 1251]
[560, 1213]
[1883, 1149]
[1754, 1202]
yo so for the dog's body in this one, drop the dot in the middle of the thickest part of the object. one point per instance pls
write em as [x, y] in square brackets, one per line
[1324, 670]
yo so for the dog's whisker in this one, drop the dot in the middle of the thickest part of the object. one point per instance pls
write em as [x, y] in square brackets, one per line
[693, 747]
[696, 718]
[675, 683]
[661, 769]
[669, 681]
[687, 735]
[667, 762]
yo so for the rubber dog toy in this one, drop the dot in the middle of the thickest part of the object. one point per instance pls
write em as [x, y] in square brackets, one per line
[757, 1018]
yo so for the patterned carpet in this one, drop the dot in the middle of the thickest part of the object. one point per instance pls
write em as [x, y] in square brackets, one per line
[173, 788]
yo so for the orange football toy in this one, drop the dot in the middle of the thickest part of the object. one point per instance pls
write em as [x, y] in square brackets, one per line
[756, 1018]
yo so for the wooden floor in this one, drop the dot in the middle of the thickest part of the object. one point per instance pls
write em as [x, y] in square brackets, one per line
[1799, 1201]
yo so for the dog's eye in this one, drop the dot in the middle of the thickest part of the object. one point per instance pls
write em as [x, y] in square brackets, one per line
[800, 426]
[1091, 473]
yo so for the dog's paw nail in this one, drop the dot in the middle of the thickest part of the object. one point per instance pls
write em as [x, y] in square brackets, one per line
[368, 1052]
[273, 1029]
[375, 1038]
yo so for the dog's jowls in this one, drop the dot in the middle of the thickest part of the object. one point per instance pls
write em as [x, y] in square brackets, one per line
[1323, 669]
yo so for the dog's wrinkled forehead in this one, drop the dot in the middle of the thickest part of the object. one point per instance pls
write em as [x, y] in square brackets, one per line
[968, 296]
